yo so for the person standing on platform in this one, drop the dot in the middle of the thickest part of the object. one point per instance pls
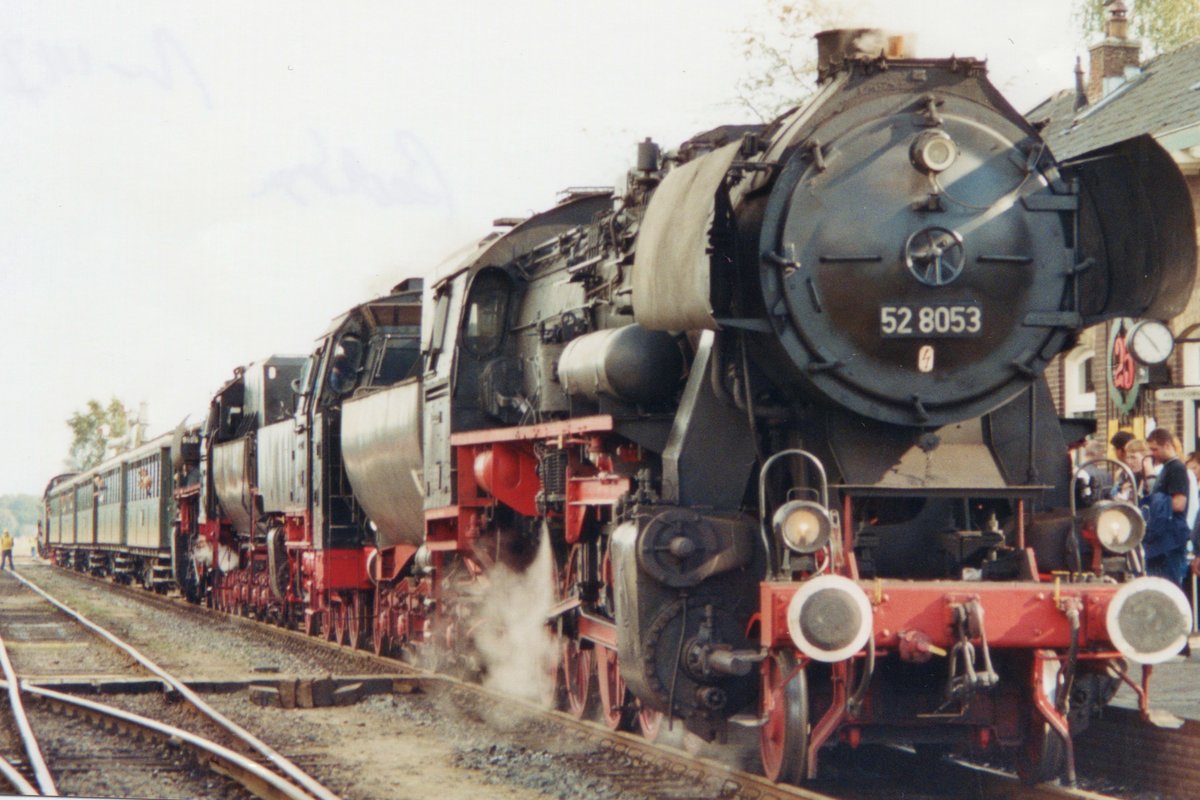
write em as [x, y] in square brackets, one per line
[1193, 512]
[1166, 508]
[1193, 465]
[1118, 441]
[1093, 481]
[1135, 454]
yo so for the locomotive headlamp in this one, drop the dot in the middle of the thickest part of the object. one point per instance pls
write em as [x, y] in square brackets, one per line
[1148, 620]
[1118, 525]
[829, 618]
[933, 151]
[804, 526]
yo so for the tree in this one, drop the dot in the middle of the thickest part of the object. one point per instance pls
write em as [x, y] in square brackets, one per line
[92, 429]
[19, 513]
[1162, 25]
[783, 55]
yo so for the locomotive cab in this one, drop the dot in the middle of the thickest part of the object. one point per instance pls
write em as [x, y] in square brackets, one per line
[378, 419]
[249, 411]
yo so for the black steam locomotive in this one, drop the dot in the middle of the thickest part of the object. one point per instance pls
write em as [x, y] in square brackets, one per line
[777, 409]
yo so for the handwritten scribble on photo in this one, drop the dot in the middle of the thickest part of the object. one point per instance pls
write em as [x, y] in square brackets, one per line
[33, 69]
[407, 176]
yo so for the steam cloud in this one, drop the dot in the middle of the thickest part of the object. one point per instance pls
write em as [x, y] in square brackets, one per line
[517, 649]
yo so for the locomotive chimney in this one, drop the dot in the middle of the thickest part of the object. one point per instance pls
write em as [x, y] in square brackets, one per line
[140, 426]
[648, 154]
[839, 44]
[1113, 58]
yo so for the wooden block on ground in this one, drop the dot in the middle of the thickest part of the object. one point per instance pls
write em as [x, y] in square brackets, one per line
[347, 695]
[287, 693]
[264, 696]
[304, 694]
[406, 686]
[322, 692]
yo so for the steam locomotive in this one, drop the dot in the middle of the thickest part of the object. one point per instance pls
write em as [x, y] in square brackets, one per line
[777, 409]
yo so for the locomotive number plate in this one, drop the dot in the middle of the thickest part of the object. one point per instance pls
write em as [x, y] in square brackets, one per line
[947, 320]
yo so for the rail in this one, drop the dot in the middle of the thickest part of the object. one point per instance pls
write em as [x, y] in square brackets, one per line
[29, 742]
[259, 780]
[16, 780]
[280, 762]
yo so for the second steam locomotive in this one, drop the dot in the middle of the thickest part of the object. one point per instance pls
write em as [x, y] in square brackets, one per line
[776, 409]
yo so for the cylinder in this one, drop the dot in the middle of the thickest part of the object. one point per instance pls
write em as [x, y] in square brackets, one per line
[629, 363]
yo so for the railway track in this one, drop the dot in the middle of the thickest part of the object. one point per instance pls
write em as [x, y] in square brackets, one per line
[631, 766]
[33, 752]
[257, 779]
[268, 775]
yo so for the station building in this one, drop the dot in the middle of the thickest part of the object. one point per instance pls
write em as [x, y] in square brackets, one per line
[1120, 98]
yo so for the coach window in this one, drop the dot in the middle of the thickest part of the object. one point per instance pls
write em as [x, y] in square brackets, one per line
[486, 317]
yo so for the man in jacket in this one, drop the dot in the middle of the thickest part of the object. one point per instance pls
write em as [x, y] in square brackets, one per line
[1167, 530]
[6, 545]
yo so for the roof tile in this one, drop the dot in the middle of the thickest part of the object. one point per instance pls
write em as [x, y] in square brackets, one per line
[1164, 97]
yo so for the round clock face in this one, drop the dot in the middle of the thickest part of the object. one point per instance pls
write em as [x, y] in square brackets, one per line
[1151, 342]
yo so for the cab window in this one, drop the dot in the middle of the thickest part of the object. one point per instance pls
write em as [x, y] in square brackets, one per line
[400, 357]
[343, 370]
[486, 318]
[302, 386]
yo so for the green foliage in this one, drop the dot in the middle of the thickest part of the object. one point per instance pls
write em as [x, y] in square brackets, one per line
[92, 429]
[1161, 25]
[782, 58]
[1089, 16]
[19, 514]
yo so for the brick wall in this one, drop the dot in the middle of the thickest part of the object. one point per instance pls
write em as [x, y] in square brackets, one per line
[1056, 381]
[1104, 405]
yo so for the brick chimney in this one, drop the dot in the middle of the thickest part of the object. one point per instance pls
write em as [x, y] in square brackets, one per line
[1112, 55]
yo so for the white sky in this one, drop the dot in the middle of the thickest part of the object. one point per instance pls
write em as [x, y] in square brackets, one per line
[185, 187]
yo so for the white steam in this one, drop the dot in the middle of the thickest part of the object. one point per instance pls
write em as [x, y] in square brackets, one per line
[518, 651]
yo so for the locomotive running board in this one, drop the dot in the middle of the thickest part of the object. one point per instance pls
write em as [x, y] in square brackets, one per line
[599, 423]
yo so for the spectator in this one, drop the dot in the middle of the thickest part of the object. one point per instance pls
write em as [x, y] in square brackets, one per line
[1135, 454]
[1093, 481]
[1119, 441]
[1167, 533]
[1193, 511]
[1193, 465]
